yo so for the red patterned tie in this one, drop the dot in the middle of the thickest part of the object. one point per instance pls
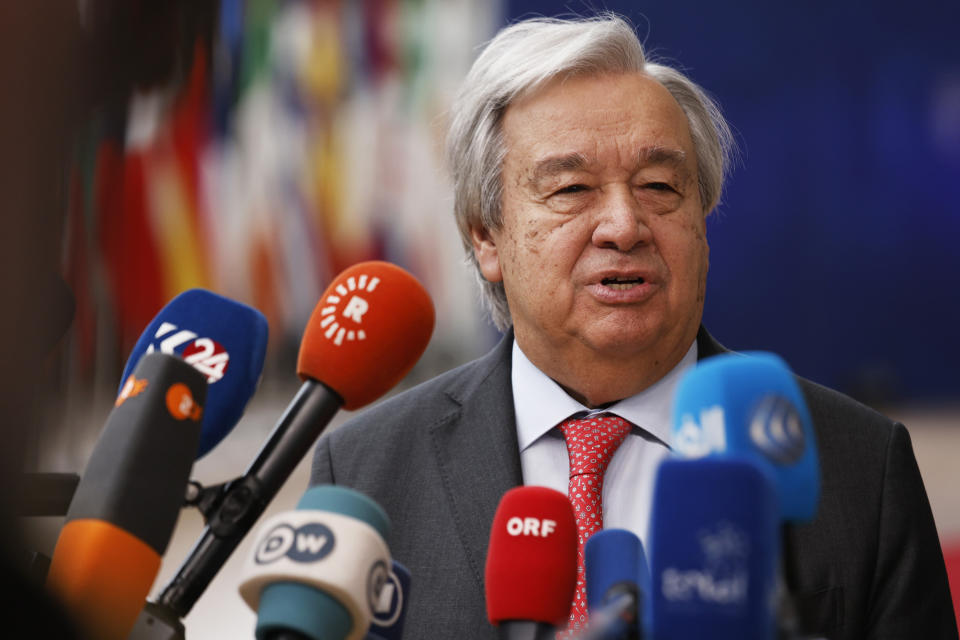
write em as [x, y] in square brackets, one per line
[591, 443]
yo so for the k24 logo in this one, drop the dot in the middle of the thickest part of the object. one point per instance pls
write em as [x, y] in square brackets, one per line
[206, 355]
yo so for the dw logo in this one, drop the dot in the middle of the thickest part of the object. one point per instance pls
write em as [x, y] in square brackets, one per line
[354, 309]
[776, 429]
[308, 543]
[389, 603]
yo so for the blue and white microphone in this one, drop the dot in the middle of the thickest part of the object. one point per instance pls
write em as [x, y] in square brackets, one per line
[714, 550]
[318, 572]
[750, 406]
[223, 339]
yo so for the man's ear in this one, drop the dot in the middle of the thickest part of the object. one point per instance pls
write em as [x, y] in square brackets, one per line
[485, 250]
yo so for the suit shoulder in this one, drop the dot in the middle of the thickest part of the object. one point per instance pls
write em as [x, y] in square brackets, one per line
[418, 407]
[832, 407]
[847, 429]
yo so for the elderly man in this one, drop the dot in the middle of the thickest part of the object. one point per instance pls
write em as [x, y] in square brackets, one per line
[583, 176]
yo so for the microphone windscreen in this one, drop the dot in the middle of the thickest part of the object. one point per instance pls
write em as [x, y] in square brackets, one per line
[390, 612]
[319, 571]
[714, 550]
[368, 330]
[750, 405]
[346, 502]
[129, 497]
[531, 567]
[614, 558]
[223, 339]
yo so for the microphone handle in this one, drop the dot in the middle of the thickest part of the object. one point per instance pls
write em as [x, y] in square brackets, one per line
[526, 630]
[244, 500]
[616, 619]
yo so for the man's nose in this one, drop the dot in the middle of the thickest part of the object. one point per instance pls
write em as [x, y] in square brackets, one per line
[621, 223]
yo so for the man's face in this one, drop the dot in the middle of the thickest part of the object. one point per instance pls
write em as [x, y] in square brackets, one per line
[602, 250]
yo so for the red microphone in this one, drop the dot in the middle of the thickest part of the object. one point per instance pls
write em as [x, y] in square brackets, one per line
[531, 570]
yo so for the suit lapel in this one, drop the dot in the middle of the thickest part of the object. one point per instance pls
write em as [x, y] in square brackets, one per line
[476, 446]
[476, 451]
[707, 346]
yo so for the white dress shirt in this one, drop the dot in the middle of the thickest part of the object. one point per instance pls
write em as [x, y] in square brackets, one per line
[541, 404]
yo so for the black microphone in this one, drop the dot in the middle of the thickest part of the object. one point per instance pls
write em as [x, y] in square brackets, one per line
[129, 497]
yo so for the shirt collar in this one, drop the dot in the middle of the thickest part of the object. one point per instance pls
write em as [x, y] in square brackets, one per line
[540, 403]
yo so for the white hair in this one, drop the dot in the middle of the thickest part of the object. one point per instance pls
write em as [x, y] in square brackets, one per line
[524, 57]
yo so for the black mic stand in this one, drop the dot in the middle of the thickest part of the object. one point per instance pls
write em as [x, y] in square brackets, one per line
[231, 509]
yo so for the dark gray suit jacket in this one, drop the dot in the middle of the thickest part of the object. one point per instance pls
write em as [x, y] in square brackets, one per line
[439, 457]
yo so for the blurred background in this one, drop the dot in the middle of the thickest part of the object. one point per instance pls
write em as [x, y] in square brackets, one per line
[258, 147]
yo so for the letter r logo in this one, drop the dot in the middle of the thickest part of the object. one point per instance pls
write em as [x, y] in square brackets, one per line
[355, 309]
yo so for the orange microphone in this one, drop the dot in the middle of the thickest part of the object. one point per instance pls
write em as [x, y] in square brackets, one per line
[125, 508]
[365, 334]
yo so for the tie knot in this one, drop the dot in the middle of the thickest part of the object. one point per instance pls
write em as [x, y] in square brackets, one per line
[591, 442]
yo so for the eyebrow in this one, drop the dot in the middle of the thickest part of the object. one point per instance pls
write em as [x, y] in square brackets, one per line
[655, 155]
[557, 164]
[676, 158]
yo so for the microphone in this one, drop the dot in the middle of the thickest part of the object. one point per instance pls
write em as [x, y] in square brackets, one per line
[531, 568]
[391, 609]
[749, 405]
[617, 579]
[126, 505]
[224, 340]
[713, 551]
[366, 333]
[318, 572]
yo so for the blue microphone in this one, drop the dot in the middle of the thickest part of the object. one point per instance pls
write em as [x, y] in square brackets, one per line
[750, 406]
[391, 609]
[714, 550]
[618, 580]
[224, 340]
[318, 573]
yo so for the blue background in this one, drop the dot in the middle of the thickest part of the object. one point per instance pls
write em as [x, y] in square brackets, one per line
[835, 244]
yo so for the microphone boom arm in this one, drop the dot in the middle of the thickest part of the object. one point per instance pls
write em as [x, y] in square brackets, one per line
[245, 499]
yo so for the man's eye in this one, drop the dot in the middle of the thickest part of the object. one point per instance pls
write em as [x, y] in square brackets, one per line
[658, 186]
[573, 188]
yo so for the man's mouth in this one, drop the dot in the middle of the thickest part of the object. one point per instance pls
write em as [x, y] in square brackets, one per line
[621, 284]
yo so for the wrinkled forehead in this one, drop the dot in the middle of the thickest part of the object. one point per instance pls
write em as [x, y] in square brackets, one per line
[567, 124]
